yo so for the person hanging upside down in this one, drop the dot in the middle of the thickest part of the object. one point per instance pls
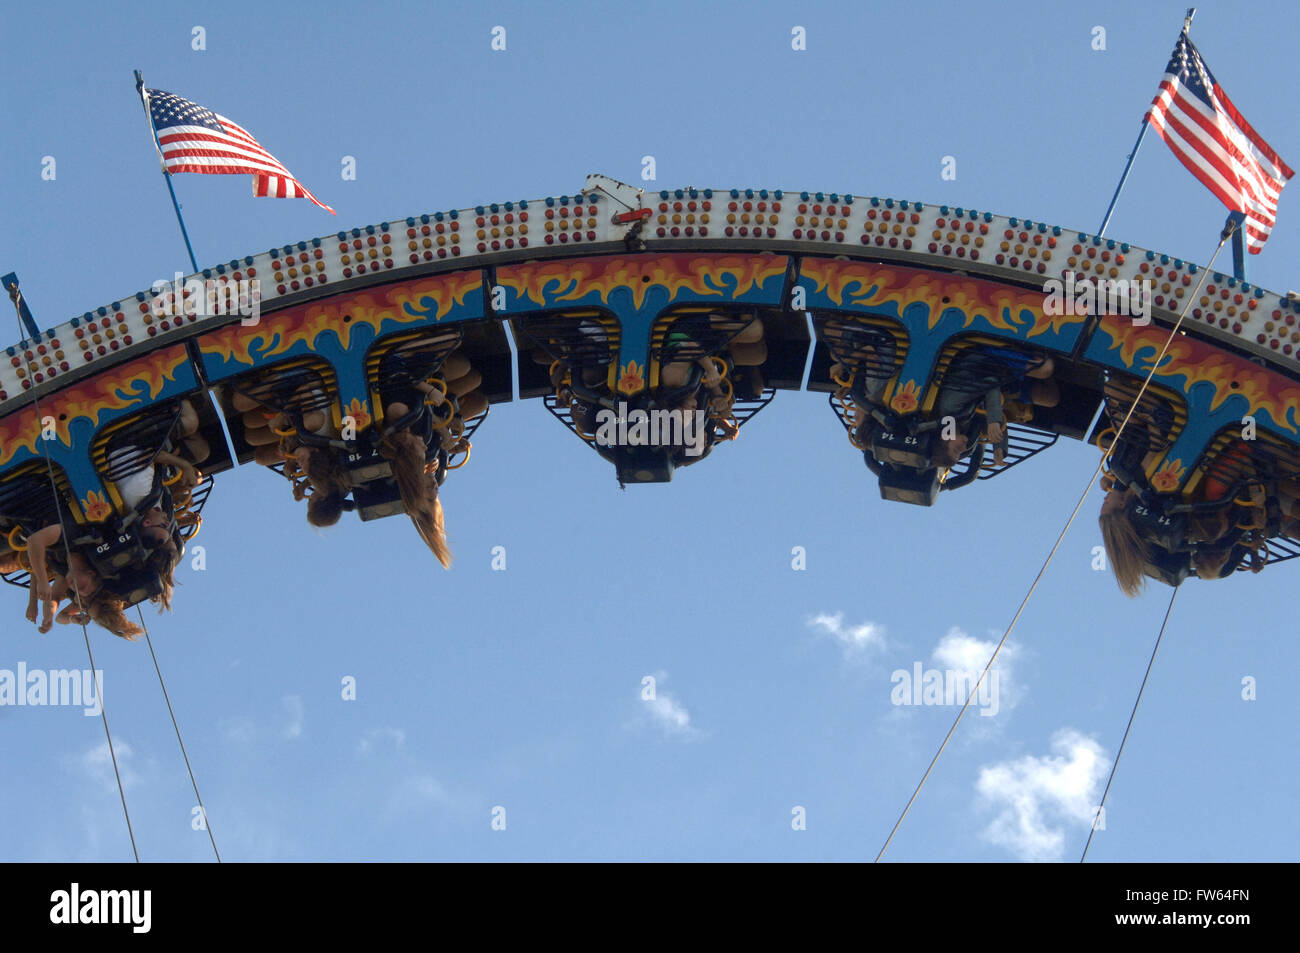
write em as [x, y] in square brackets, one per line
[989, 372]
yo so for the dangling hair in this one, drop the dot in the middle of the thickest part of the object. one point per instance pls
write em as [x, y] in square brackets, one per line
[1209, 527]
[948, 453]
[13, 562]
[1125, 549]
[419, 490]
[163, 561]
[330, 484]
[109, 612]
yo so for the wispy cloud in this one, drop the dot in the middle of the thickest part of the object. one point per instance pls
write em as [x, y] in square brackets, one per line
[294, 709]
[418, 790]
[237, 730]
[666, 711]
[1037, 798]
[96, 764]
[100, 835]
[854, 639]
[376, 737]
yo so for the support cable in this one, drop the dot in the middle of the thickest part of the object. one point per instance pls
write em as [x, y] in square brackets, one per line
[1137, 701]
[14, 296]
[203, 811]
[1173, 332]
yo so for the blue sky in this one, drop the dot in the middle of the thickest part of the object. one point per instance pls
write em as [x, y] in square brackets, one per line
[522, 689]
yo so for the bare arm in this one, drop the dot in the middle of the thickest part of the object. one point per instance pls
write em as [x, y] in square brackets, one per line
[71, 614]
[995, 424]
[37, 544]
[189, 476]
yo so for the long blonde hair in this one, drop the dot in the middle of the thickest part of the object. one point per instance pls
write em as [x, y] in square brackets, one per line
[419, 490]
[1127, 551]
[110, 612]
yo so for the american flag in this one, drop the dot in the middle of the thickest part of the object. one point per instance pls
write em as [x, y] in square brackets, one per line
[1197, 120]
[195, 139]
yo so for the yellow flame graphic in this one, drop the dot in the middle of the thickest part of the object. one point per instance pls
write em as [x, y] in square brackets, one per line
[631, 378]
[1200, 361]
[705, 275]
[96, 507]
[1001, 306]
[115, 388]
[907, 399]
[411, 302]
[1169, 477]
[359, 411]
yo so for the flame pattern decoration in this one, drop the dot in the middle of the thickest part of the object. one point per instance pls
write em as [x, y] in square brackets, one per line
[96, 507]
[972, 303]
[355, 319]
[934, 307]
[684, 277]
[1272, 398]
[81, 409]
[638, 288]
[341, 329]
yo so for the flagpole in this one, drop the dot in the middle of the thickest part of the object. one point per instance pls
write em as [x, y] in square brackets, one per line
[144, 101]
[1237, 224]
[1146, 122]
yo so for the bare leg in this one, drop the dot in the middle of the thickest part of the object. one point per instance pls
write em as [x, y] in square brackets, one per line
[456, 365]
[749, 355]
[197, 448]
[464, 384]
[751, 333]
[267, 455]
[675, 374]
[1045, 393]
[473, 404]
[242, 403]
[260, 436]
[1042, 371]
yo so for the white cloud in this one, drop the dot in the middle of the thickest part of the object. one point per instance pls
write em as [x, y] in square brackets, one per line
[1037, 798]
[419, 792]
[372, 739]
[667, 712]
[294, 708]
[422, 788]
[854, 639]
[960, 652]
[97, 764]
[237, 730]
[670, 714]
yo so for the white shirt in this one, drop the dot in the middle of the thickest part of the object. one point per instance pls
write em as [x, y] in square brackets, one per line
[134, 487]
